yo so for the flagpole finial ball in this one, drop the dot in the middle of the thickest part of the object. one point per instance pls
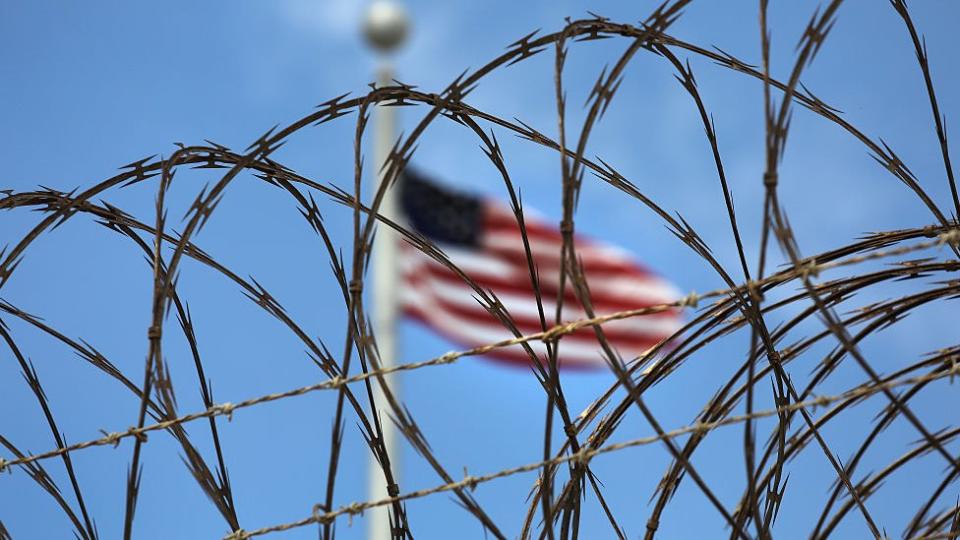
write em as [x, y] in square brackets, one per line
[385, 25]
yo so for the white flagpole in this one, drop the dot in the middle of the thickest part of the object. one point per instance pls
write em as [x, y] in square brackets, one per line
[385, 28]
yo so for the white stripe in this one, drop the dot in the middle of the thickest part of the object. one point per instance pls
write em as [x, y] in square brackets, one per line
[463, 296]
[472, 262]
[544, 248]
[649, 290]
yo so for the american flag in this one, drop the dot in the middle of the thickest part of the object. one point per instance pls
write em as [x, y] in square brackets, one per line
[481, 236]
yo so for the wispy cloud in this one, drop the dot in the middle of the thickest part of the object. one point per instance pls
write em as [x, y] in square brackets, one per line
[333, 19]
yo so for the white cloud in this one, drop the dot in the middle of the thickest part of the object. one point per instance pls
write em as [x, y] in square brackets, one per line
[335, 19]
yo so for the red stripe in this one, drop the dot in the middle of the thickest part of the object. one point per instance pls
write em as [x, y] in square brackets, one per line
[497, 221]
[514, 355]
[499, 218]
[629, 339]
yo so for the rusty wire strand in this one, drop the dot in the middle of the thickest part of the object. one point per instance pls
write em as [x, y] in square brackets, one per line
[586, 454]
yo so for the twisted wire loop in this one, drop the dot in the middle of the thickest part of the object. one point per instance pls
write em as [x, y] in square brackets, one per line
[586, 454]
[554, 333]
[740, 304]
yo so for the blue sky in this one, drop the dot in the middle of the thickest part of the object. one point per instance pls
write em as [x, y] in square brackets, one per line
[89, 87]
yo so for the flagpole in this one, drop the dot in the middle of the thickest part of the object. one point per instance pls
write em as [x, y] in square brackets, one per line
[385, 28]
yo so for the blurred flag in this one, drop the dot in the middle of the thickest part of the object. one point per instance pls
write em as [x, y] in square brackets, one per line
[482, 238]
